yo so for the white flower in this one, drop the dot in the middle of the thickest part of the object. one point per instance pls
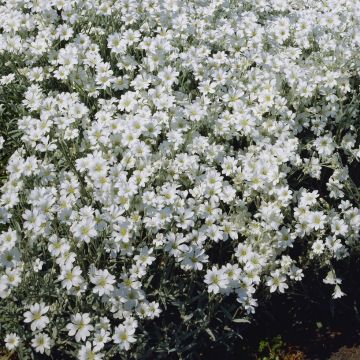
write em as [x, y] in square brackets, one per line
[194, 258]
[216, 280]
[70, 276]
[101, 337]
[84, 230]
[87, 352]
[153, 310]
[12, 277]
[41, 342]
[8, 239]
[123, 336]
[7, 79]
[317, 220]
[325, 145]
[103, 282]
[12, 341]
[36, 316]
[38, 264]
[243, 252]
[144, 258]
[318, 247]
[277, 281]
[80, 326]
[339, 227]
[338, 293]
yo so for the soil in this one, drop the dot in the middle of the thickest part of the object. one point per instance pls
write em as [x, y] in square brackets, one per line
[346, 353]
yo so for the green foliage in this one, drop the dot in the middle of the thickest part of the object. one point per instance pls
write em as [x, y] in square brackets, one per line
[271, 349]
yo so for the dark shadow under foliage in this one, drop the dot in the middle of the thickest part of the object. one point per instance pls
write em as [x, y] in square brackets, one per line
[305, 318]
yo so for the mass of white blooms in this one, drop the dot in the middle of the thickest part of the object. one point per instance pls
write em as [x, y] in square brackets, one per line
[212, 136]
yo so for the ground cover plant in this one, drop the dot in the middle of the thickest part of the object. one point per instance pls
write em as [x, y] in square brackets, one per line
[167, 166]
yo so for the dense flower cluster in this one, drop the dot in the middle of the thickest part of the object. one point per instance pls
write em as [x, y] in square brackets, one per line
[165, 130]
